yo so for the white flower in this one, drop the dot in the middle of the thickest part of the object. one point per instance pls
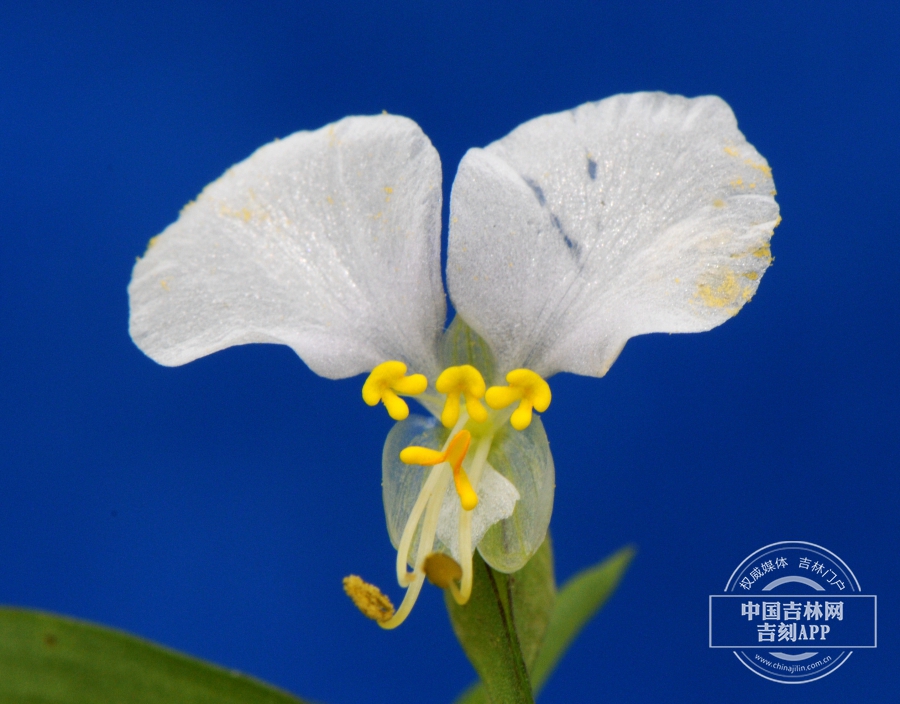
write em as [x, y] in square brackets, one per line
[635, 214]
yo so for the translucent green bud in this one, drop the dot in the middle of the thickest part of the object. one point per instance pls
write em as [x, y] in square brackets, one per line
[401, 483]
[516, 489]
[524, 458]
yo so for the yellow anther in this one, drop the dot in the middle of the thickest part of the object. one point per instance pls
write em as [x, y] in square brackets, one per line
[526, 387]
[441, 570]
[386, 381]
[368, 599]
[454, 455]
[464, 380]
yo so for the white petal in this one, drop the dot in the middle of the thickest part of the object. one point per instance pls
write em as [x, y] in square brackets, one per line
[326, 241]
[497, 499]
[639, 213]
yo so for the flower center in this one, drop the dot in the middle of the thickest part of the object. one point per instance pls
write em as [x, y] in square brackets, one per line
[464, 387]
[454, 456]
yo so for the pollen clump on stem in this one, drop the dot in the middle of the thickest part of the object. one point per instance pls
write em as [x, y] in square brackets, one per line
[368, 599]
[442, 570]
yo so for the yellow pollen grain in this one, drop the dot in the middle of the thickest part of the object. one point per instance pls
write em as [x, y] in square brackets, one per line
[724, 291]
[718, 203]
[164, 284]
[752, 275]
[767, 170]
[737, 182]
[243, 214]
[368, 599]
[731, 151]
[764, 252]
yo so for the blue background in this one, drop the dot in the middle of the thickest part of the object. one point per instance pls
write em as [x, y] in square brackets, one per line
[216, 507]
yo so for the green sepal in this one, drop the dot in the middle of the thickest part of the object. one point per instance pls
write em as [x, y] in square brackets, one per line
[47, 659]
[575, 604]
[524, 458]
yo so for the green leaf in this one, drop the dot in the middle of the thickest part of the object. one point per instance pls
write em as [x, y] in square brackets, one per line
[485, 629]
[575, 604]
[47, 659]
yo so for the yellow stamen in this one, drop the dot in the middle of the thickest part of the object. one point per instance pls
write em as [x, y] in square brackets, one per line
[454, 456]
[442, 570]
[465, 380]
[526, 387]
[386, 381]
[368, 599]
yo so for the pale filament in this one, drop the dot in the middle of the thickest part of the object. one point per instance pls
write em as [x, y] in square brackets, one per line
[425, 495]
[426, 541]
[462, 593]
[403, 577]
[428, 502]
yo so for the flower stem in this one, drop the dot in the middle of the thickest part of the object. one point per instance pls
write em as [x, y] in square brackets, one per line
[487, 632]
